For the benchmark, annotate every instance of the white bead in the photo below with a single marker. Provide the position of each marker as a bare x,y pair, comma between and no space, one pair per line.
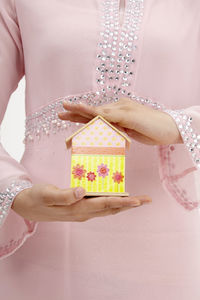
7,196
112,41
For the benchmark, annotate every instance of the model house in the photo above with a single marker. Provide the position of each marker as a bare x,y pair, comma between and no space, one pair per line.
98,158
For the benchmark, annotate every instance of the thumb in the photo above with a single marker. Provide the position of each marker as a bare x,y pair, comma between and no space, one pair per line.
78,194
70,196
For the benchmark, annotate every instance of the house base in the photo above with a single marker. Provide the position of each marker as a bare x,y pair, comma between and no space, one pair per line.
90,194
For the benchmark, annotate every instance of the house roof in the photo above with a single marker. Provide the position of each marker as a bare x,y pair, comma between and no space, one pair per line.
69,139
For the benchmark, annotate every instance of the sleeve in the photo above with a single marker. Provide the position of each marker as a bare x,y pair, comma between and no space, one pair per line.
14,229
179,164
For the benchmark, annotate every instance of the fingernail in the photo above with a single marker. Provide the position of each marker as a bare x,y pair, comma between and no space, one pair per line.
69,103
64,102
79,193
146,201
135,203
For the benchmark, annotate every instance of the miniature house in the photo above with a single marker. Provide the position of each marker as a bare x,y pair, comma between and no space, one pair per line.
98,158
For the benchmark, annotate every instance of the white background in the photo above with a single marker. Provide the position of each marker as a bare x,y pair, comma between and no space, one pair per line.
13,125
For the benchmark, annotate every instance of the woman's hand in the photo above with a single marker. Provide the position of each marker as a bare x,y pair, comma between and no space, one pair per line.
46,202
144,124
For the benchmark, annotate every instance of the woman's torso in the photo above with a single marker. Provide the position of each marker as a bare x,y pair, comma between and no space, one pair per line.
146,253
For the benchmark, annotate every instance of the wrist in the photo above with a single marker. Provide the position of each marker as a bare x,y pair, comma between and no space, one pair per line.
22,195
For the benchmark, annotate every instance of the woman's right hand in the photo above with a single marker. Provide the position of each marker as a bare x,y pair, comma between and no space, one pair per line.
46,202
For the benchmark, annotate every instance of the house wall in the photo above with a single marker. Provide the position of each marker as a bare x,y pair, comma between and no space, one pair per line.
92,165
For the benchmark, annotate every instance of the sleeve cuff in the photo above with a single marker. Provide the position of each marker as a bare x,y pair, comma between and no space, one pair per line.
14,229
189,135
179,164
8,194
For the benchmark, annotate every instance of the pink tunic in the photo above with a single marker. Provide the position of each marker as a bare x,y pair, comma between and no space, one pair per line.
97,51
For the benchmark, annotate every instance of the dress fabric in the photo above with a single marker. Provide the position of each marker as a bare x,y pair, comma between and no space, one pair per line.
97,51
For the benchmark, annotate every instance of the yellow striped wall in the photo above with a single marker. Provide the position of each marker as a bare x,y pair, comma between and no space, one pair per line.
91,163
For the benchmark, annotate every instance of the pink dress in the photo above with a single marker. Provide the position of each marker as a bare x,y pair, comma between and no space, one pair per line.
97,51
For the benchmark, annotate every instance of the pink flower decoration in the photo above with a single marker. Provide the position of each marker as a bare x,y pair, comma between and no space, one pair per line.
103,170
118,177
78,171
91,176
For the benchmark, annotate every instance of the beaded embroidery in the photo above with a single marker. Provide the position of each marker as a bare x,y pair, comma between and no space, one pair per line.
46,120
190,137
192,142
117,45
7,196
113,70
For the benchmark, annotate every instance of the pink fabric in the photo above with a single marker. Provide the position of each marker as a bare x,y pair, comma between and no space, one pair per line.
151,252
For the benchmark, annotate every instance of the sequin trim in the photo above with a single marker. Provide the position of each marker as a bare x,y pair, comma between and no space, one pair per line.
117,45
46,121
113,70
190,137
7,196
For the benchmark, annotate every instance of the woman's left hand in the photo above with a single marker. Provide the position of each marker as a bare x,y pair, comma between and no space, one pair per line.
140,122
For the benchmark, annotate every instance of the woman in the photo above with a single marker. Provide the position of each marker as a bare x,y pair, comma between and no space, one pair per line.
125,61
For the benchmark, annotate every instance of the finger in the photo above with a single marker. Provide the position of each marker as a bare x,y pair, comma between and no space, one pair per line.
112,211
90,112
120,128
81,109
102,203
107,212
83,113
56,196
141,138
73,117
111,114
75,212
145,199
60,213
